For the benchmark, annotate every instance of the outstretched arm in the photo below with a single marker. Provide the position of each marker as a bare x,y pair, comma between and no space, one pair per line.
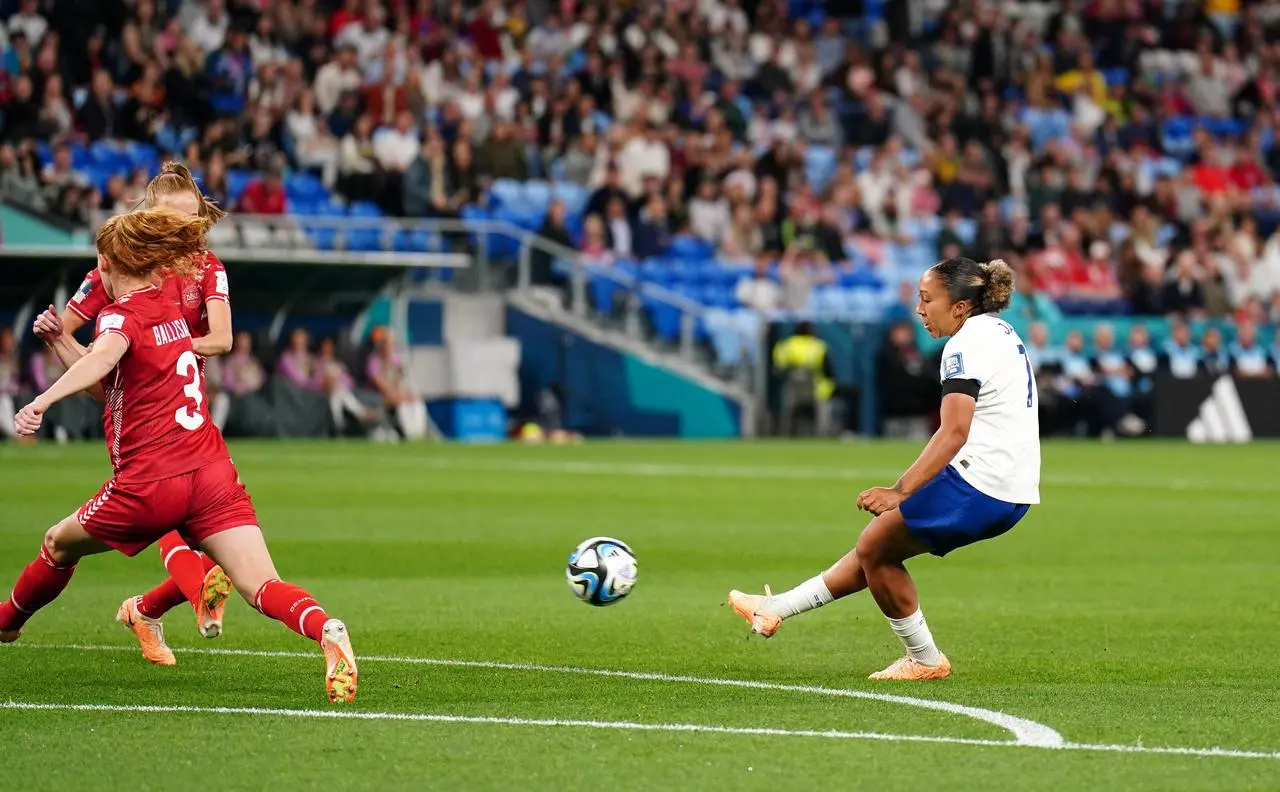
958,405
58,334
86,372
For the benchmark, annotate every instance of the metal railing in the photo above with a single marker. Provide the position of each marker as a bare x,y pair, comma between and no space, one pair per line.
374,241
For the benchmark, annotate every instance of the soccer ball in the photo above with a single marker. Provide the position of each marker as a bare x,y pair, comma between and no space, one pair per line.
601,571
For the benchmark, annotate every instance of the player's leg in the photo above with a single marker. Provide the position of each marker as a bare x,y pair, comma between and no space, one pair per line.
242,552
45,578
766,613
885,544
193,578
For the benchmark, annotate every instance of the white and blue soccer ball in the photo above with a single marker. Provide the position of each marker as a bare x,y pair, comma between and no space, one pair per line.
601,571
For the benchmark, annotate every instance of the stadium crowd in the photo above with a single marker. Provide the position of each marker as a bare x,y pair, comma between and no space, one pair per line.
1120,154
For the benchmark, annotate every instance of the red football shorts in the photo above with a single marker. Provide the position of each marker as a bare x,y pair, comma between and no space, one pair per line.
130,517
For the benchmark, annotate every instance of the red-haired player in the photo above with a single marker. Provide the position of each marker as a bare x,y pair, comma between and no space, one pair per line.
171,468
203,299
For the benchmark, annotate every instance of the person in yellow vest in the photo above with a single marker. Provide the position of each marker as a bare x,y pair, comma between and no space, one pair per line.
799,354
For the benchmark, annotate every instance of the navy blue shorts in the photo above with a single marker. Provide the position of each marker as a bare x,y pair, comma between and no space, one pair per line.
948,513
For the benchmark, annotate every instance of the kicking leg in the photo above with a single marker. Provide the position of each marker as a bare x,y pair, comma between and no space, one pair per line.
45,578
883,547
243,553
193,578
766,613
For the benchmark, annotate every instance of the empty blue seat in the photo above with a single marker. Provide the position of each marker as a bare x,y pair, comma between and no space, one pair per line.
237,181
364,209
506,192
537,194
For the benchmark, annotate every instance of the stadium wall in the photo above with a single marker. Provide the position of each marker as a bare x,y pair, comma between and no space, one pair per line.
611,392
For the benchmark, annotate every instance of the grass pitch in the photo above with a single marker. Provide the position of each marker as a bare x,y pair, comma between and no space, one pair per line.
1136,609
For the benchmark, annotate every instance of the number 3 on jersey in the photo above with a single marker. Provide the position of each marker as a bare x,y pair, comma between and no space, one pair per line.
188,418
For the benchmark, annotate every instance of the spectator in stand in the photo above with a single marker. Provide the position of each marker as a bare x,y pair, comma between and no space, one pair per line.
340,76
595,241
759,292
10,383
1184,294
542,271
1214,359
335,380
296,364
1181,358
360,177
313,146
907,379
264,196
1249,359
386,373
241,374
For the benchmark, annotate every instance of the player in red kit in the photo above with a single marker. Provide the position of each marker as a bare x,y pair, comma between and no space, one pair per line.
203,299
171,468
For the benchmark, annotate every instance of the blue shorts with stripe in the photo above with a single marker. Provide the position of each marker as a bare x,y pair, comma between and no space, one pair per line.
949,513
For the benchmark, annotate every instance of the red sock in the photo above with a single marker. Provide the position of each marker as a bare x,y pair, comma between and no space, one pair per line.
38,585
161,599
293,607
184,565
207,562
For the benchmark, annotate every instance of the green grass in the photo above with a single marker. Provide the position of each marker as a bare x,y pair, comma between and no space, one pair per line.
1137,605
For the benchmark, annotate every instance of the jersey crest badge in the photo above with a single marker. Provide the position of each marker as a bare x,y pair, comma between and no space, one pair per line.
191,295
953,366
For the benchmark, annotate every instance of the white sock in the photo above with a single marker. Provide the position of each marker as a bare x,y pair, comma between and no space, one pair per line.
916,637
812,593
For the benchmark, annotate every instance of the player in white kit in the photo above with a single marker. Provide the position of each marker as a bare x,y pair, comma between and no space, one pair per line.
975,479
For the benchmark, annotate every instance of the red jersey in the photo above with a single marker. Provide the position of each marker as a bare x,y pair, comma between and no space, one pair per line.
191,294
156,418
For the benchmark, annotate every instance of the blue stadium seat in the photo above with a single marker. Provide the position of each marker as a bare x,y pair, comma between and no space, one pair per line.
575,196
237,181
305,186
506,192
537,194
687,246
364,209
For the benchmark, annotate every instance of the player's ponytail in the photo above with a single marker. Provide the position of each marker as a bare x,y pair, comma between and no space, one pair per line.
997,286
175,178
141,243
986,287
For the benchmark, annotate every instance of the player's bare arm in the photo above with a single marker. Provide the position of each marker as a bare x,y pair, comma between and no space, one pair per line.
218,340
50,329
86,372
957,417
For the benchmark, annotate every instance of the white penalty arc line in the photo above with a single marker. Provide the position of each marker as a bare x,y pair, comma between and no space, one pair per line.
427,717
336,714
1025,732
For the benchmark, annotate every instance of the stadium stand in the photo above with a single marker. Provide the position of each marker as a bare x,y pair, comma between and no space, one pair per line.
764,159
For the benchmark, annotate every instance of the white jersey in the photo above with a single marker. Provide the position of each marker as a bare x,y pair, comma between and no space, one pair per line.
1002,455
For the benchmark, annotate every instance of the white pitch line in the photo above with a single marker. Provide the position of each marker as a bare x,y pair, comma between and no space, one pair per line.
341,714
428,717
1025,732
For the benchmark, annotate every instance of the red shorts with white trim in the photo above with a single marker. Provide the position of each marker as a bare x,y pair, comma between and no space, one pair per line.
130,517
